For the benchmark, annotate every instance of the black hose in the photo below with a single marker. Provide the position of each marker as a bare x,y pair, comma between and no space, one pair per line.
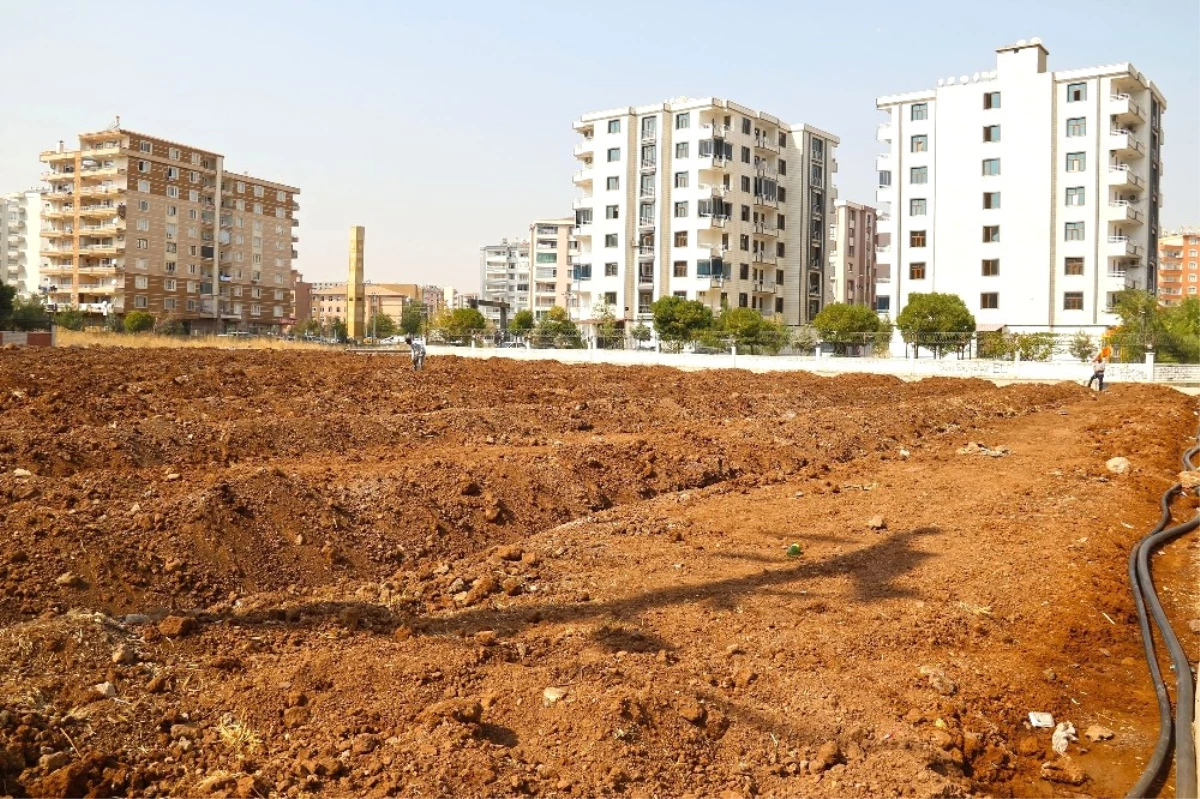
1145,596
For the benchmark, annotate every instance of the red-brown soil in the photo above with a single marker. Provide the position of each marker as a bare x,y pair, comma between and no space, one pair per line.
320,574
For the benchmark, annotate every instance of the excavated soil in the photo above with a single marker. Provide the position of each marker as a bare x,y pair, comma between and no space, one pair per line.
310,574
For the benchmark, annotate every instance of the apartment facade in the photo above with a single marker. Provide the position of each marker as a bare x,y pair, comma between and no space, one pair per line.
133,222
504,276
551,246
21,240
329,304
1033,195
852,254
1178,266
301,297
703,199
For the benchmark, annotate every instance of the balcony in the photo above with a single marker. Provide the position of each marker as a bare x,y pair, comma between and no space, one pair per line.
645,252
1116,273
585,149
766,143
884,251
763,201
647,193
764,169
1121,142
713,162
646,223
109,248
711,222
716,250
1122,177
583,177
1123,247
765,229
763,257
883,162
1125,109
92,172
58,233
583,230
58,176
765,287
647,136
716,130
883,195
1124,211
649,164
100,190
580,203
645,279
714,190
884,132
92,211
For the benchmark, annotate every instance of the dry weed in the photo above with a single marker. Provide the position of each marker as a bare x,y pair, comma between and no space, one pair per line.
88,338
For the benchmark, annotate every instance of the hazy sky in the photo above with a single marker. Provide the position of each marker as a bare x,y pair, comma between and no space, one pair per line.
445,126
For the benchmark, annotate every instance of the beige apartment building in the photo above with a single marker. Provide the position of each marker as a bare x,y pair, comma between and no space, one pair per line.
551,246
133,222
328,300
852,254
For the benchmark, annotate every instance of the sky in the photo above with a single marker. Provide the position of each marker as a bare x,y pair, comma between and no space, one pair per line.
443,127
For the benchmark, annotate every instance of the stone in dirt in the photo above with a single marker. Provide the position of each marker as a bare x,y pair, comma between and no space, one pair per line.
1117,465
69,580
1063,771
1064,734
510,552
692,711
1190,479
53,761
464,711
296,716
22,473
939,681
124,655
828,756
176,626
877,523
1194,625
1098,733
553,695
105,689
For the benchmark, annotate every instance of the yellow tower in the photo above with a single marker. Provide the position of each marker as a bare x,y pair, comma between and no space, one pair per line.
356,306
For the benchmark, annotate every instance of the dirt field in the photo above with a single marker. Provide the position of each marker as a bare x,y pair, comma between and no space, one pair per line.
292,574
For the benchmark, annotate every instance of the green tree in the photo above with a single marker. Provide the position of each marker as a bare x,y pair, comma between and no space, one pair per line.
381,325
805,340
935,321
412,318
338,330
1180,341
608,333
749,331
1140,327
842,324
138,322
1082,346
640,332
308,327
677,320
170,327
71,319
461,323
7,295
556,329
521,323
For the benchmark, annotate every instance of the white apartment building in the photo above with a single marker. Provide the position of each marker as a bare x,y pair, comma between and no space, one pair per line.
504,277
852,276
552,245
704,199
20,239
1033,195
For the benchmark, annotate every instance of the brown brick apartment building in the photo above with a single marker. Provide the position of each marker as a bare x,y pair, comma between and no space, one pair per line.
1178,266
132,222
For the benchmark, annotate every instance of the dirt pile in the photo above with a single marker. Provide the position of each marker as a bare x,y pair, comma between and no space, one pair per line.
272,573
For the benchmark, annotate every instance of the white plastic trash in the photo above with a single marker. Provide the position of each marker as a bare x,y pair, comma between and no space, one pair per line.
1043,721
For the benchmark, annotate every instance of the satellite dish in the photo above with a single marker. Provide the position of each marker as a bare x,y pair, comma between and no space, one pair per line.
950,81
963,79
941,81
1020,42
1035,40
975,77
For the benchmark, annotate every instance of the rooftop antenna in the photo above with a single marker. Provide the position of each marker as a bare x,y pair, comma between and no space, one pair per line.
116,124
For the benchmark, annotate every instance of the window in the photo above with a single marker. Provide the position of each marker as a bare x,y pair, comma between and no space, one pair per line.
920,144
172,173
140,301
916,207
991,267
194,177
169,267
745,155
681,149
779,220
744,242
681,180
169,303
610,298
144,188
614,126
991,100
1076,92
745,126
991,166
991,233
1077,127
1075,196
782,166
919,111
172,210
916,238
193,195
1074,231
258,191
143,224
1076,162
916,271
172,247
1072,300
173,192
141,282
744,272
169,284
140,263
991,133
610,269
610,240
683,121
679,269
989,299
780,249
143,244
280,196
258,208
681,238
146,147
918,174
172,230
143,166
681,209
614,154
612,183
991,200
